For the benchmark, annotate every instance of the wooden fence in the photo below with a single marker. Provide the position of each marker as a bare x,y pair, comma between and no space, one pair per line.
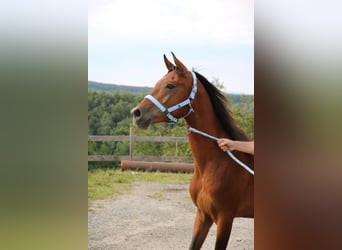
132,139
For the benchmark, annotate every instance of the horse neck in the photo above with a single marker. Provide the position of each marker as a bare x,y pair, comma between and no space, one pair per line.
204,119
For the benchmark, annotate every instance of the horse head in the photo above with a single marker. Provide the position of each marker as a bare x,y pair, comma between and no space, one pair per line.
171,97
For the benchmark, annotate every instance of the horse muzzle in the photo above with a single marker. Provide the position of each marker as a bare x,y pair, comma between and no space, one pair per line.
140,118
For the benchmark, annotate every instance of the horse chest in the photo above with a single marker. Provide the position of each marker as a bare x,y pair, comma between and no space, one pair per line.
202,197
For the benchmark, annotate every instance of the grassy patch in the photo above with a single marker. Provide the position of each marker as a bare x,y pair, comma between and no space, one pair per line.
103,183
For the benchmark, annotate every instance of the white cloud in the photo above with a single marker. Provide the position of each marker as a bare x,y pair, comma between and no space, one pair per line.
215,36
176,21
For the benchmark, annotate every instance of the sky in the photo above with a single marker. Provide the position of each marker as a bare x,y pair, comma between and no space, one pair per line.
127,40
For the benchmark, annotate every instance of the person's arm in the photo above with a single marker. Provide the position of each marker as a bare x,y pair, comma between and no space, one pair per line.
243,146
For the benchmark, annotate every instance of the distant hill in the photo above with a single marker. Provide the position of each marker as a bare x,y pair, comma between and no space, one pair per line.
144,90
115,87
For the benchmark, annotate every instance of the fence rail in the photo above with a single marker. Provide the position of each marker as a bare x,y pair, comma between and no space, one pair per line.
132,139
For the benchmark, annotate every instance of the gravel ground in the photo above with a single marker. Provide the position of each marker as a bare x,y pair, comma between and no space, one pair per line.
155,216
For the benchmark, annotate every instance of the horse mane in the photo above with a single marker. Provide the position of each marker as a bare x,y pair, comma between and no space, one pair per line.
220,104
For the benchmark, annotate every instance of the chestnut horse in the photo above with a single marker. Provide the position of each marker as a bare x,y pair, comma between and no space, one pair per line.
220,188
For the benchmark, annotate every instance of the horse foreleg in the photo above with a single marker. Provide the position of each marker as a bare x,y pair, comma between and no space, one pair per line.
224,227
201,228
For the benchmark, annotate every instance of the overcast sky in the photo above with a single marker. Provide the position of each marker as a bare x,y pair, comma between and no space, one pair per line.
127,40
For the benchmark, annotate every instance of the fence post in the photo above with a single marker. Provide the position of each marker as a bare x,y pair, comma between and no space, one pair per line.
131,142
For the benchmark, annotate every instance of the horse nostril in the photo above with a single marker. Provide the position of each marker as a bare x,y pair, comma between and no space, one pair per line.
136,113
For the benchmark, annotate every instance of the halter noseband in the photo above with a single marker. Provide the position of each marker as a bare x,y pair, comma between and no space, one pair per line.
167,111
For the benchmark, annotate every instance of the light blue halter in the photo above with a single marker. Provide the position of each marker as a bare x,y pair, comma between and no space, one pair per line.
168,111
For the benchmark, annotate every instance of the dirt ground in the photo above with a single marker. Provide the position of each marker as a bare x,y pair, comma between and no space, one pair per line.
155,216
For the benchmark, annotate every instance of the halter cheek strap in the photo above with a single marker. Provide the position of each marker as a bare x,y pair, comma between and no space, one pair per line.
167,111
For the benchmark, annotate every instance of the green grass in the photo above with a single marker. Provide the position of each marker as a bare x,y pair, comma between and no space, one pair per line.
103,183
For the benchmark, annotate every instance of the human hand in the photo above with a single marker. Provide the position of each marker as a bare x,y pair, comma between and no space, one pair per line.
243,146
226,144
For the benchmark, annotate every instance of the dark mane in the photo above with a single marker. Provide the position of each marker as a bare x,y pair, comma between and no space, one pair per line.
220,102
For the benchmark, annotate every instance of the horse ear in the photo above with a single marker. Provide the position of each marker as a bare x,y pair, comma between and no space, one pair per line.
179,64
168,64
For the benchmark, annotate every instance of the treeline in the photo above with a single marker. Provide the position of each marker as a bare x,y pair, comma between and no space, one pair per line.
109,114
116,87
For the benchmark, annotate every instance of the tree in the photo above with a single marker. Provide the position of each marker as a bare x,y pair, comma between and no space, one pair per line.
217,83
109,114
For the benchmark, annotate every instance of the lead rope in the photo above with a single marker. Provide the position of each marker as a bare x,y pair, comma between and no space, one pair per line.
191,129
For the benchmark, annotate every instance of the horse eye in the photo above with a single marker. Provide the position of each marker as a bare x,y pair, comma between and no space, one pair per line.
170,86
